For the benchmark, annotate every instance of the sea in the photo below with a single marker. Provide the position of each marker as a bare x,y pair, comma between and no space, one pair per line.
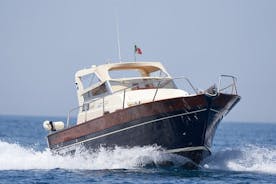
242,153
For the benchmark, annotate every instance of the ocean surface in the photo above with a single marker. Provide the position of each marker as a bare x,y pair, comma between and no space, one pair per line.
242,153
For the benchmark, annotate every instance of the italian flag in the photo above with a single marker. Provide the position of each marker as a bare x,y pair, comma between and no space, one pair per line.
137,50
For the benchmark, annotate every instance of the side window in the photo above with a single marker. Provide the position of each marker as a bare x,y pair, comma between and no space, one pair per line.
97,91
89,80
101,89
92,83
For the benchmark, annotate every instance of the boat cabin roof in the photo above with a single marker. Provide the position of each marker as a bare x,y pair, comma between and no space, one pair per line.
103,71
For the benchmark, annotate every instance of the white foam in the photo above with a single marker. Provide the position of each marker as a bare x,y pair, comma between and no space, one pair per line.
249,158
16,157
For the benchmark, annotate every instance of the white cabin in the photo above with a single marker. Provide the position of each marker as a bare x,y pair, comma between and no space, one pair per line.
110,87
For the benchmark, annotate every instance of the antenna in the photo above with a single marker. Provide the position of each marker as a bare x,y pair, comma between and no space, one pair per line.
118,39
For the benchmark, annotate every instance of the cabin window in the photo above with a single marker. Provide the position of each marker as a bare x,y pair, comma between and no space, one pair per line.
85,107
148,83
95,92
168,83
89,80
101,89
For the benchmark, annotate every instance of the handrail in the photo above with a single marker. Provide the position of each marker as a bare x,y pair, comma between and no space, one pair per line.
220,89
77,108
68,115
156,91
176,78
124,94
188,80
232,85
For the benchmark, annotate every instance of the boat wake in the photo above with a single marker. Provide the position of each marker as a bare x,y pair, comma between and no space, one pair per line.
16,157
249,158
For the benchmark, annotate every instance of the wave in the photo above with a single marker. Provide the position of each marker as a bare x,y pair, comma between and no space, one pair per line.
249,158
16,157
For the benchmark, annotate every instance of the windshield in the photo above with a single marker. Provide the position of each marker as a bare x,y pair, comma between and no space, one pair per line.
146,83
137,72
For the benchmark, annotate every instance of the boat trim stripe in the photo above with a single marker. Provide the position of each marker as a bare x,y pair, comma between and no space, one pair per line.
134,126
216,111
194,148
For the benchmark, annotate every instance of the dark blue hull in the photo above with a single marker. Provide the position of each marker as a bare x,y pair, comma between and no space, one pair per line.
181,129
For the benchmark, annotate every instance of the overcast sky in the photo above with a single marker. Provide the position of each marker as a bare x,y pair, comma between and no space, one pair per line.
43,44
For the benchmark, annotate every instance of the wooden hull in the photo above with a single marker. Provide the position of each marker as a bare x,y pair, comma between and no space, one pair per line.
183,125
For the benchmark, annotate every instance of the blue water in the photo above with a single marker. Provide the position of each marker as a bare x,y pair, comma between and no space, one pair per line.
242,153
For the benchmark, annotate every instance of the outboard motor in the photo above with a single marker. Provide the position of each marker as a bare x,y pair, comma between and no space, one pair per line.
53,125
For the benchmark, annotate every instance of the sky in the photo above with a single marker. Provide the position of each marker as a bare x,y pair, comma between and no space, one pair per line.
43,44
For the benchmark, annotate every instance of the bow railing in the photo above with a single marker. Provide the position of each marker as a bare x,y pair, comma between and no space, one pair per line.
227,87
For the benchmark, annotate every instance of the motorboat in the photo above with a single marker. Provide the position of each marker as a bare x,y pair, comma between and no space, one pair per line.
132,104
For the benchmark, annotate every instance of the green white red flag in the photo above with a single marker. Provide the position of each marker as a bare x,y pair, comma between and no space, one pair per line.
137,50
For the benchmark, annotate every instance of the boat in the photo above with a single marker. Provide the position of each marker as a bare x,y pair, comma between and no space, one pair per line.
130,104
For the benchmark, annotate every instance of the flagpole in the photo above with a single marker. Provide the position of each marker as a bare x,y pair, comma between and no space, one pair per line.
118,40
134,53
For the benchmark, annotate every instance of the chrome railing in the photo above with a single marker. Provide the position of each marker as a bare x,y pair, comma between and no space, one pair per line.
85,107
176,78
232,86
